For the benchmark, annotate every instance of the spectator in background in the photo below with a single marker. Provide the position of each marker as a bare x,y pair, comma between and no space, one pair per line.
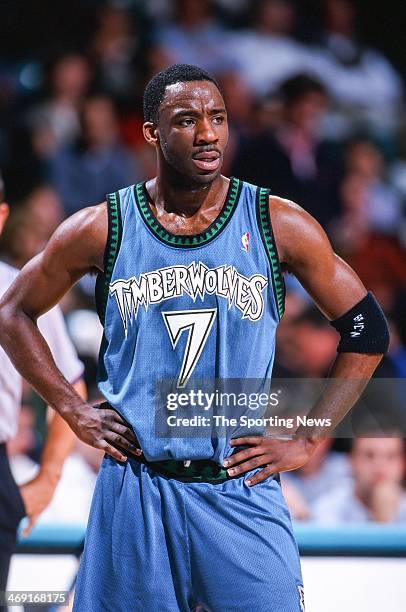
366,233
378,257
239,104
325,470
383,204
55,122
266,54
43,202
161,9
296,302
31,224
22,239
376,492
292,159
309,346
97,164
359,78
114,47
193,36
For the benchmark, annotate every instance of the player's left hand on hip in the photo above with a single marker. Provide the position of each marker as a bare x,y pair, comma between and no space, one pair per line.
276,455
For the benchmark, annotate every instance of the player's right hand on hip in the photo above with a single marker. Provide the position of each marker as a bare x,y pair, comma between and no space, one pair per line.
102,427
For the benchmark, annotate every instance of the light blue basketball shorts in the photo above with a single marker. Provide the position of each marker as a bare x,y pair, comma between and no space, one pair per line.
156,544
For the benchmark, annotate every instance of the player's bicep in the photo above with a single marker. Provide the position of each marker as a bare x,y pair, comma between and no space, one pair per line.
306,249
332,284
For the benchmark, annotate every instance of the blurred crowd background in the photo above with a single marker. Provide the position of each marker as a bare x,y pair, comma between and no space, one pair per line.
315,92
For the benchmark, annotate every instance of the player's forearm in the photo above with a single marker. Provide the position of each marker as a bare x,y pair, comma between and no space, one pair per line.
348,378
60,442
31,356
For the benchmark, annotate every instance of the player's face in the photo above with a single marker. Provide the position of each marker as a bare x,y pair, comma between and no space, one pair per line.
192,130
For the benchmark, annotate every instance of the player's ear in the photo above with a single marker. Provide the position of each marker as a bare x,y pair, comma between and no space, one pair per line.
4,213
150,133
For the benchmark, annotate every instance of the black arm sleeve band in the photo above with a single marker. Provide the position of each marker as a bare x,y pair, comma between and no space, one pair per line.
363,329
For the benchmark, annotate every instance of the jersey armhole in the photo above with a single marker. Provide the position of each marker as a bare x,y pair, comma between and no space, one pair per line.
268,240
110,253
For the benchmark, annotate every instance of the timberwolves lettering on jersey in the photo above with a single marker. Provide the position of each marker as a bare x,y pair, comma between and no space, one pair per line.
178,306
195,280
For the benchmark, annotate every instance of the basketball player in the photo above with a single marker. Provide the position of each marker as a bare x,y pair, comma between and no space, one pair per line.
33,497
189,285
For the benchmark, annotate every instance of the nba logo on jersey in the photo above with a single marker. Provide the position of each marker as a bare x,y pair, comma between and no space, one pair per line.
245,239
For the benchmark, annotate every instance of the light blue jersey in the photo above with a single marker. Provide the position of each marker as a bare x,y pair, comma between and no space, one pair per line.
186,307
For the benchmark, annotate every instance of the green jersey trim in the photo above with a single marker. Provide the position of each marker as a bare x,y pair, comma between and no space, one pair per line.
266,233
194,240
110,254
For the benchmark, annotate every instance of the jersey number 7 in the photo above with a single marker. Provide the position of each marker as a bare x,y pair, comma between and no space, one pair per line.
198,323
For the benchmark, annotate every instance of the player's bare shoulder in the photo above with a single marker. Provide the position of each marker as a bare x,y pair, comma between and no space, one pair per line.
82,238
295,230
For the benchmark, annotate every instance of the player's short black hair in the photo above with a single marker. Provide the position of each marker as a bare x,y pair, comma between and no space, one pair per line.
178,73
